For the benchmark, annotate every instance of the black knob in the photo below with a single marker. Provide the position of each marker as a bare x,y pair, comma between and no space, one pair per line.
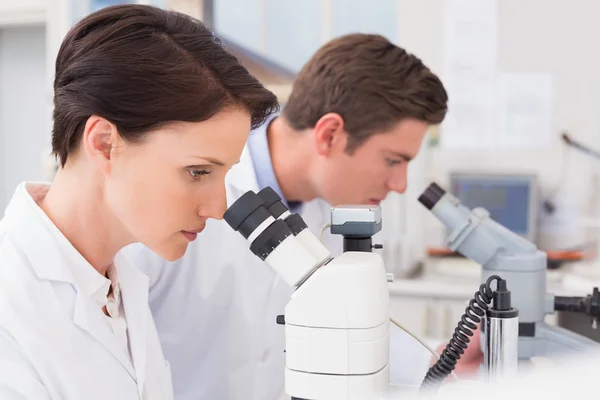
593,307
281,319
431,195
272,201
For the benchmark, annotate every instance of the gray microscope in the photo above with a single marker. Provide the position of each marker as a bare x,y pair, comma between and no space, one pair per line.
499,251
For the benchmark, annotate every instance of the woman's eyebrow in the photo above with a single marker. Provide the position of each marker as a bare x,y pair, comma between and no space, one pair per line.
212,160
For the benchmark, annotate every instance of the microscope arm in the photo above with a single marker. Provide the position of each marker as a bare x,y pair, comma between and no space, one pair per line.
472,232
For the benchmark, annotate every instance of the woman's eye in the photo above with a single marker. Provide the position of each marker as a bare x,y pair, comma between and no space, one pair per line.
197,173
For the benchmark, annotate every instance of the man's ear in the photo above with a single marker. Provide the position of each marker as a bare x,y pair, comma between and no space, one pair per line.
329,134
100,139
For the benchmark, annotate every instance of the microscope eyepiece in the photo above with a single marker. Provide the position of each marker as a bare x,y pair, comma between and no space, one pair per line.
269,196
431,195
272,202
277,209
273,239
254,222
246,214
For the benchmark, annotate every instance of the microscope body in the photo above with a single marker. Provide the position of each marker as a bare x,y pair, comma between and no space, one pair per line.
337,331
337,320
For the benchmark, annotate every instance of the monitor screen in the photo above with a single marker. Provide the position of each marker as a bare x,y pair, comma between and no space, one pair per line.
508,198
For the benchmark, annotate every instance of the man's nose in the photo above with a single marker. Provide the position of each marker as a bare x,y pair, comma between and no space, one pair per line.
397,182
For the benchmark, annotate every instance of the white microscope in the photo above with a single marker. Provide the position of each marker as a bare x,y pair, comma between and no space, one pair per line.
337,321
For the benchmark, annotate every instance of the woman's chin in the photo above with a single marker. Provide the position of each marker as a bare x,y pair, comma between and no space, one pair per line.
172,251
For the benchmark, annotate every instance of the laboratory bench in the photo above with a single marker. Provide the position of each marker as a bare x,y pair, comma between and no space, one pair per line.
431,303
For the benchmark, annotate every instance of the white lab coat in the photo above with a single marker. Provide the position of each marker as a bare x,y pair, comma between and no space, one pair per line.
55,343
215,309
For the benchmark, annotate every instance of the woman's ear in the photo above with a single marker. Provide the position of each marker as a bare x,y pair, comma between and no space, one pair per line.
100,139
329,134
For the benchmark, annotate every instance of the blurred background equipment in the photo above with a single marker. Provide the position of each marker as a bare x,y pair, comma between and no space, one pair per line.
580,146
511,199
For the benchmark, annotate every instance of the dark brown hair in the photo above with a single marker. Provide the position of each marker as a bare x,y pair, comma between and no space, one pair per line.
141,67
371,83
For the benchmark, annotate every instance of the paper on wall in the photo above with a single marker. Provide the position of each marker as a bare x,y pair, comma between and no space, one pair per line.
514,112
525,108
470,32
487,109
468,126
470,52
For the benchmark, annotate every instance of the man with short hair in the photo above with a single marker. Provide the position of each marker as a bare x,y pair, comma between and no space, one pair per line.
357,115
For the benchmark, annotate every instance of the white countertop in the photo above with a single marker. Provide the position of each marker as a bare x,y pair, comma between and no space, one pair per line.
457,278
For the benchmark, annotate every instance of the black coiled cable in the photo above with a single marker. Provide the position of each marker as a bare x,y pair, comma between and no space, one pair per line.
460,339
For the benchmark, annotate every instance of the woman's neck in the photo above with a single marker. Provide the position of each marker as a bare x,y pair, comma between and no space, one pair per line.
76,204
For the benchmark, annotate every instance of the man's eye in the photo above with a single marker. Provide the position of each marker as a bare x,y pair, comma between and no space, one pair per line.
391,162
197,173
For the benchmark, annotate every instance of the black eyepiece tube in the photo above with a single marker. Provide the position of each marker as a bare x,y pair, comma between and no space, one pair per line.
272,201
269,196
431,195
589,305
246,214
569,304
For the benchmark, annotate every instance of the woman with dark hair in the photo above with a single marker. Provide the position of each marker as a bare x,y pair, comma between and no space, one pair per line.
150,112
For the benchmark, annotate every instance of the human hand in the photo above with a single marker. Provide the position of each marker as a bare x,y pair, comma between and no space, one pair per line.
471,360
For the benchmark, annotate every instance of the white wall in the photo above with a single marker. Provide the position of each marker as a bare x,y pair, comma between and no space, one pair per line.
23,107
534,36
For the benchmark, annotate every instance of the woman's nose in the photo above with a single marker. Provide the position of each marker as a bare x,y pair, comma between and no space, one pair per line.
214,205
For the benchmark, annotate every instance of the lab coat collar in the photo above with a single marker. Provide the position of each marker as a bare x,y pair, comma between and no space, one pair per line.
76,269
40,239
49,253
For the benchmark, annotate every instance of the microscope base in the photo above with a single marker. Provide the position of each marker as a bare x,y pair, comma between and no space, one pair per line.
554,342
307,386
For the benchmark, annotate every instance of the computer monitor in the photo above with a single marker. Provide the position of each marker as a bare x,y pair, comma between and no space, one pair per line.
511,199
